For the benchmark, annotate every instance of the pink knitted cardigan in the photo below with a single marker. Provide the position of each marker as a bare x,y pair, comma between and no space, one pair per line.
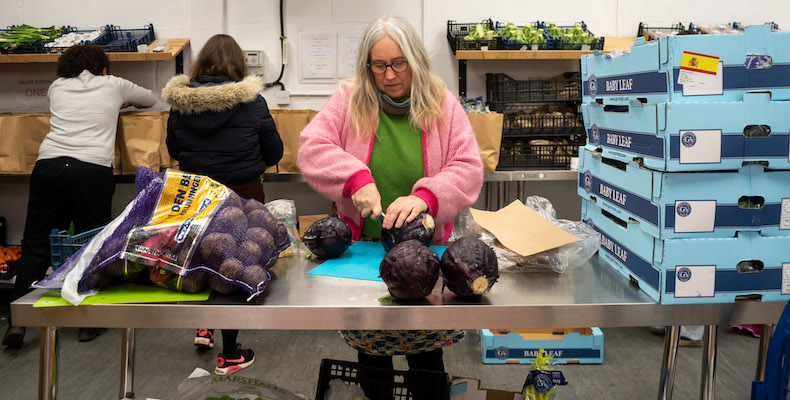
334,161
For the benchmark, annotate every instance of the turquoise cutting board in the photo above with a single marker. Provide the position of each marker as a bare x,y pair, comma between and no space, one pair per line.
360,261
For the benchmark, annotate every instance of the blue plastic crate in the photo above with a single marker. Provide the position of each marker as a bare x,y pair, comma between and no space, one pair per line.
521,346
103,38
511,44
62,245
127,40
559,43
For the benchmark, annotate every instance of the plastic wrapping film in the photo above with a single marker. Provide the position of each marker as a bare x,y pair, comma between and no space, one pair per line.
558,260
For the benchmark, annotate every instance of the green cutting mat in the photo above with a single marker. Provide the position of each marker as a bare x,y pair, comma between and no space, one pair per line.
126,293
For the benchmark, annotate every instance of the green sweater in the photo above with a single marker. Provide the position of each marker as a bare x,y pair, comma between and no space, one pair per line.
396,163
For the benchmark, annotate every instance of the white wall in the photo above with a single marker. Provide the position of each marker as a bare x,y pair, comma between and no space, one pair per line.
255,25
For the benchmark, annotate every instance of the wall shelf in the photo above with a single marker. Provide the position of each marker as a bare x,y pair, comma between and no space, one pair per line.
610,43
176,52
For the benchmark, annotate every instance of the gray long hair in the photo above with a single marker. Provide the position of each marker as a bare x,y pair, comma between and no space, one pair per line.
427,89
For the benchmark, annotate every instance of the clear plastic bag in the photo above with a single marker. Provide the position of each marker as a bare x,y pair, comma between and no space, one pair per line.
558,260
285,212
476,106
201,385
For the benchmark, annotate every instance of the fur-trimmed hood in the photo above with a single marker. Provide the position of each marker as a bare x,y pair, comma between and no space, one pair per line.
187,98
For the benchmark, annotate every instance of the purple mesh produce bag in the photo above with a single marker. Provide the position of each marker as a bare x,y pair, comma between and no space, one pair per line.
227,243
233,241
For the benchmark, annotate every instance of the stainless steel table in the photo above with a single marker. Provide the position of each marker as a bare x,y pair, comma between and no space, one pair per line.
591,295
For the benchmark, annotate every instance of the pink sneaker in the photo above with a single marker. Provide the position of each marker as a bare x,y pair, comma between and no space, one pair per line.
229,365
204,338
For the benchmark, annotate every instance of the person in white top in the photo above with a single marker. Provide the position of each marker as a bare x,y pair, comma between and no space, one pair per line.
72,180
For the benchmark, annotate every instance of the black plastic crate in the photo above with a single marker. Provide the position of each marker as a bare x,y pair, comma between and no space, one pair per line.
510,44
457,31
536,153
502,90
559,43
666,30
127,40
542,124
403,381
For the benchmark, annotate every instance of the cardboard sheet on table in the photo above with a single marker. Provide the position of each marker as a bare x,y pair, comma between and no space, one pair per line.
522,230
126,293
360,261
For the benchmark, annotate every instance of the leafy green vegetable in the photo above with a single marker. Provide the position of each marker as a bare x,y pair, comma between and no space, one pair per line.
481,33
26,35
542,362
527,34
577,34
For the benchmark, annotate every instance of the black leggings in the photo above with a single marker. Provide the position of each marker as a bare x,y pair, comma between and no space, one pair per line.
246,190
62,190
380,384
229,345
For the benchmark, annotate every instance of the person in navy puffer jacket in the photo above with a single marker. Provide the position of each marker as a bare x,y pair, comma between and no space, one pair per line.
220,126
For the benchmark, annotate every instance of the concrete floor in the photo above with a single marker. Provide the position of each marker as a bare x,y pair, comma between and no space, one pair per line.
291,359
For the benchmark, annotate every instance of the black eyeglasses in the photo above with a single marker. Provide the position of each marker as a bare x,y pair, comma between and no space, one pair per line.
379,68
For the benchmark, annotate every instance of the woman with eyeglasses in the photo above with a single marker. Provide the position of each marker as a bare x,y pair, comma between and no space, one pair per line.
393,140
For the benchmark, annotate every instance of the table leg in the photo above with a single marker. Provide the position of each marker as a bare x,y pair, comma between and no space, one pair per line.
48,363
708,380
668,366
180,63
127,363
500,201
490,198
462,78
765,338
521,189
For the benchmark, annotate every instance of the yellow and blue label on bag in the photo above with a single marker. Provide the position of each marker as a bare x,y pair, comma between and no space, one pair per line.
185,206
187,197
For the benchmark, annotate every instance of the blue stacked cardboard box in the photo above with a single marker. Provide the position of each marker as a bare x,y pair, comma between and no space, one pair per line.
521,346
686,172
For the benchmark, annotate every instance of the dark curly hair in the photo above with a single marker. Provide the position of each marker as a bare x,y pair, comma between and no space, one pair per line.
81,57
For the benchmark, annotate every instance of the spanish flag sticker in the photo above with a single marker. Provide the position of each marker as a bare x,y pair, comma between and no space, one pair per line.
699,63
